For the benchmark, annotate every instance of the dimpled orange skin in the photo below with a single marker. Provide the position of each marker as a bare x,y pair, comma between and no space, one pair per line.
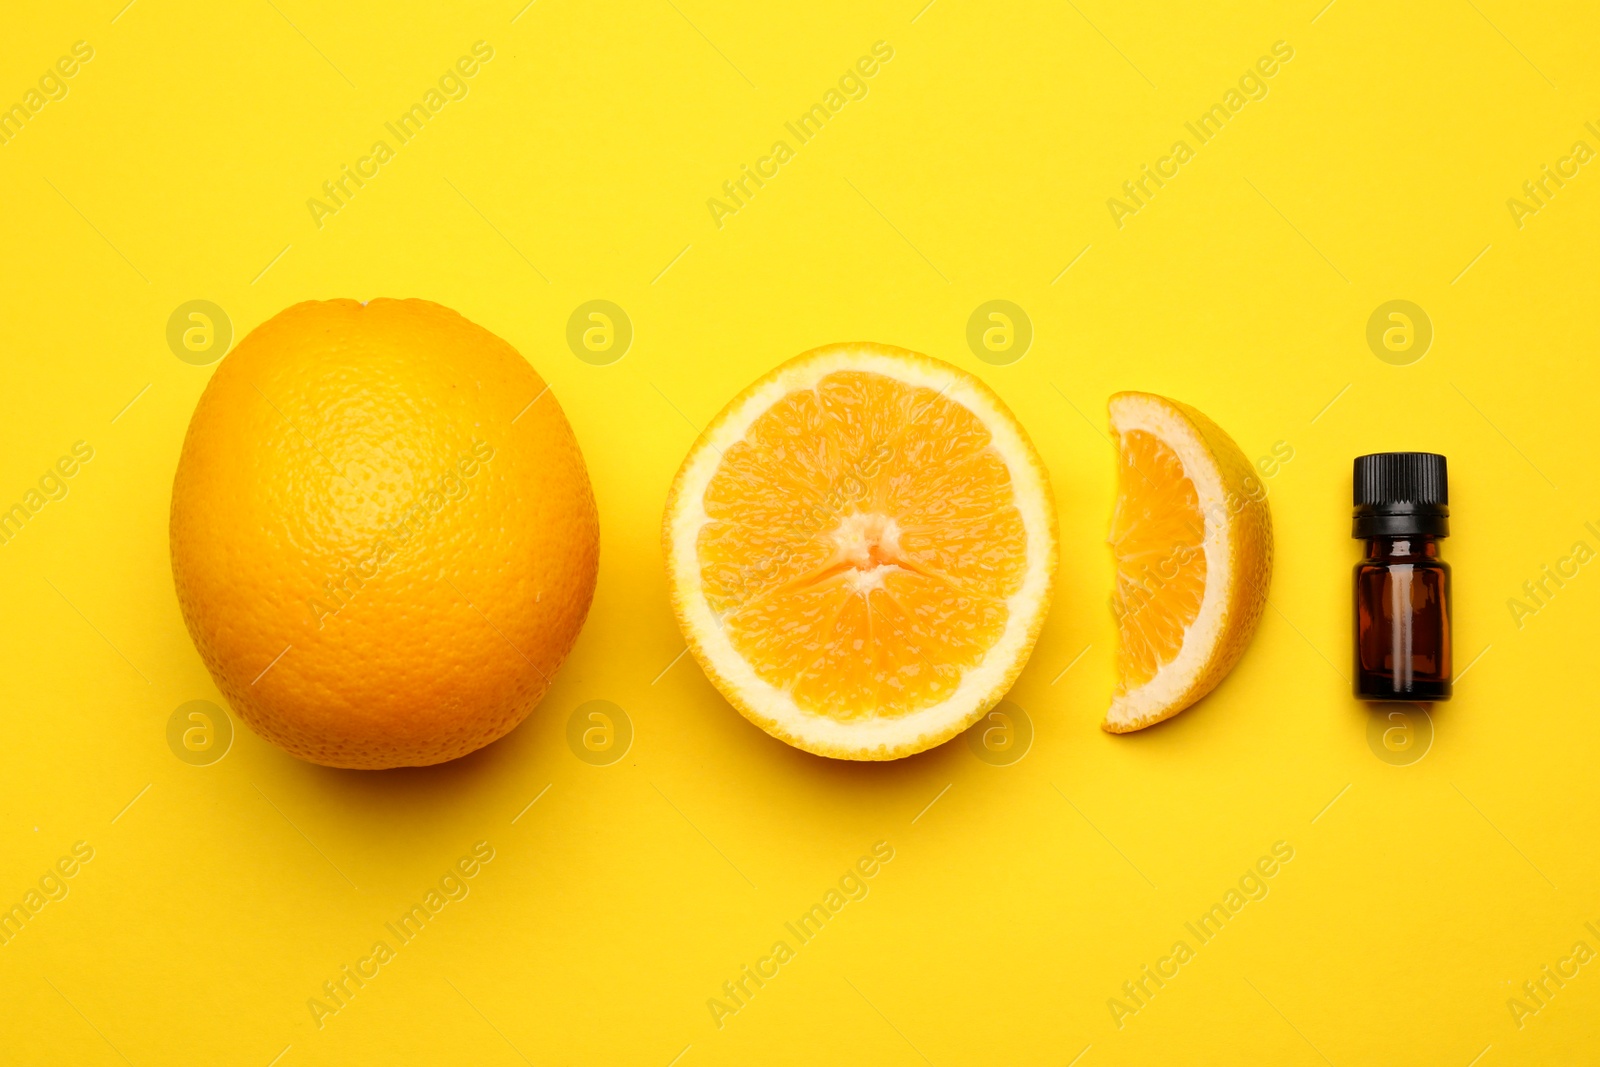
384,540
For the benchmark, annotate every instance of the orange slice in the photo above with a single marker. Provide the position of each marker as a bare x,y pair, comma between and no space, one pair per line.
861,550
1192,538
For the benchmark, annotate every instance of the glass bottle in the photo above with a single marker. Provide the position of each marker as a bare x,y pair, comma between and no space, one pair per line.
1402,587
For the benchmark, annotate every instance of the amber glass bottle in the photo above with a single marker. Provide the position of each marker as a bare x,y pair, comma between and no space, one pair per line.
1402,587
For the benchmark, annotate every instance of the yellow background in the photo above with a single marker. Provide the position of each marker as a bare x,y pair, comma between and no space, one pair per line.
978,167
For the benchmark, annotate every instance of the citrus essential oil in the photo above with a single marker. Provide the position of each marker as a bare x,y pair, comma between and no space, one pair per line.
1402,587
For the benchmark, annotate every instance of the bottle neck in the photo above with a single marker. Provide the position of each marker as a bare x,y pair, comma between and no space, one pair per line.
1408,549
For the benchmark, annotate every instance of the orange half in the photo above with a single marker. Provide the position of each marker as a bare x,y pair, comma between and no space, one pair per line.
861,550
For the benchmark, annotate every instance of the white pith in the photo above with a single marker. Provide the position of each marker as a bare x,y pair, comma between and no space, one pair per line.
859,534
774,708
1175,677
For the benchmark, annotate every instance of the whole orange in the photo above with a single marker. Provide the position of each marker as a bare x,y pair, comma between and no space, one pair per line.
384,539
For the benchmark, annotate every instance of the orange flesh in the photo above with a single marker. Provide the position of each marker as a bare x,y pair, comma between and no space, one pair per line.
1157,534
861,542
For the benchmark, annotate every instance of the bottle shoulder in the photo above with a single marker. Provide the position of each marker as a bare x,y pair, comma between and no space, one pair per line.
1413,562
1414,566
1416,553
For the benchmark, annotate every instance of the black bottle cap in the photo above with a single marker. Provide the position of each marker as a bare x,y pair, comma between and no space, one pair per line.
1401,493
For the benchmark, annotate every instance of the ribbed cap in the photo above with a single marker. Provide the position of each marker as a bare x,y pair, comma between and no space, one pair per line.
1401,478
1401,493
